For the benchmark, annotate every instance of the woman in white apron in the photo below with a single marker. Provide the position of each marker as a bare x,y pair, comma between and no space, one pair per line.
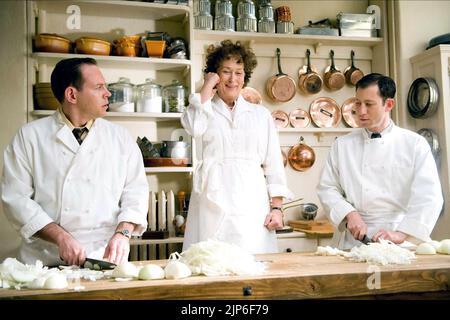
239,182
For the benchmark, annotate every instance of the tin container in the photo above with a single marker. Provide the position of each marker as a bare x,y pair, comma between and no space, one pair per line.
224,19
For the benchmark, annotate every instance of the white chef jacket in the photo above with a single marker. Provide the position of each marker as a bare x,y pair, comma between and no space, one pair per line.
240,166
87,189
391,181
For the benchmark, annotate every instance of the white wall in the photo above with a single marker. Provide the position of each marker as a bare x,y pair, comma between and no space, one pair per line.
416,23
12,95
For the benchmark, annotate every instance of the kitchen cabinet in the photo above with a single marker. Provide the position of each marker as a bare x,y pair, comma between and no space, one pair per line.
371,55
435,63
110,20
296,242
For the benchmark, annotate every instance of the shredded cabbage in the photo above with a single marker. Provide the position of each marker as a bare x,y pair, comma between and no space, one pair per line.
215,258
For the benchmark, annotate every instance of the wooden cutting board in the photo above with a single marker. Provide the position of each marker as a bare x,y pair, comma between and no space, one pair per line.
313,229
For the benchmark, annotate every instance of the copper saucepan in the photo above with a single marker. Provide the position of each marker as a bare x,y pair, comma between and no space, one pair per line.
334,79
251,95
301,157
309,81
348,112
352,73
325,112
299,118
280,118
281,87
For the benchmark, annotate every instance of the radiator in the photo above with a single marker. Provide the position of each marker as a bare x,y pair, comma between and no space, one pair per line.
161,213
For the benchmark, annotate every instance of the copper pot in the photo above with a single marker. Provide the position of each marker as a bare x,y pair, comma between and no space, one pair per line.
352,73
94,46
309,81
334,79
280,118
281,87
299,118
348,112
301,157
325,112
251,95
51,42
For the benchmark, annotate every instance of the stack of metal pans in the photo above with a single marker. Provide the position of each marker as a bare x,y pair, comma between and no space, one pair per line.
423,98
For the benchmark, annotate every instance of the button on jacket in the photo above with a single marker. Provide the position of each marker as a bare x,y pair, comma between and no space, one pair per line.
230,198
392,181
88,189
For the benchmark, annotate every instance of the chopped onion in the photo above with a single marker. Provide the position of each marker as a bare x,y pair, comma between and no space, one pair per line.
213,258
383,252
445,246
329,251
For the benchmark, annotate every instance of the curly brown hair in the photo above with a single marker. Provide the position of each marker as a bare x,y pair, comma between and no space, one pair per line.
227,50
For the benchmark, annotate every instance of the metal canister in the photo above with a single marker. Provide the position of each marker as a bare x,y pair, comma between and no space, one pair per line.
266,23
246,20
285,27
202,15
224,20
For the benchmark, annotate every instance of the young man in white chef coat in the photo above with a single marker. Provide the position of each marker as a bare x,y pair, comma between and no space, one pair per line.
380,180
73,184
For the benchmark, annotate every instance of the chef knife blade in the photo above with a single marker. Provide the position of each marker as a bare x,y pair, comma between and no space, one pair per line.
95,264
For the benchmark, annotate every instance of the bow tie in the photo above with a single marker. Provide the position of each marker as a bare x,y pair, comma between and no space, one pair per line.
375,135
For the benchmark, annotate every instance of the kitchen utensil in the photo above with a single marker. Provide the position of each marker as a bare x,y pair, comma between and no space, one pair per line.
203,19
309,81
51,42
319,28
149,97
175,149
162,218
280,118
95,264
179,135
283,13
266,22
441,39
313,229
283,154
166,162
281,87
224,19
308,210
246,21
325,112
334,79
301,157
155,48
286,27
251,95
348,112
94,46
352,73
423,98
366,240
433,141
299,118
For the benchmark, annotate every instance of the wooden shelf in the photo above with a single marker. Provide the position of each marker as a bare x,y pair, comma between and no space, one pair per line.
138,241
128,9
159,64
168,169
315,130
287,38
169,116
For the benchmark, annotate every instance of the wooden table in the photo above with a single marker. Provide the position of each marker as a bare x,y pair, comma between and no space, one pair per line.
287,276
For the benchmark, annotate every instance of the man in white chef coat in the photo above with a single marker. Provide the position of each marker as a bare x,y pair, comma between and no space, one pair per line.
381,180
73,184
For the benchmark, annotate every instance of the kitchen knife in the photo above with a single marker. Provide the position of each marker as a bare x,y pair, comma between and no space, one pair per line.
95,264
366,240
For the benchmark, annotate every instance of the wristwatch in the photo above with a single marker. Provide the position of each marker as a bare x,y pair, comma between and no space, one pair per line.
124,232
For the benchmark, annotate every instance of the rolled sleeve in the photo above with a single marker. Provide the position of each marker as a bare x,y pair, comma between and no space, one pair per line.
35,224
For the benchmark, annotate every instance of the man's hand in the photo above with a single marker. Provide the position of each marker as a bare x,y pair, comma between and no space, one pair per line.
356,225
396,237
274,220
117,249
208,89
70,250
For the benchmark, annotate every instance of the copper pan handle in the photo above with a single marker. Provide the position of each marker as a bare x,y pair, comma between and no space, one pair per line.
326,112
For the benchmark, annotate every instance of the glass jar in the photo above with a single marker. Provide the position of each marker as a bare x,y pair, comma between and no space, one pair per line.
122,96
174,96
148,97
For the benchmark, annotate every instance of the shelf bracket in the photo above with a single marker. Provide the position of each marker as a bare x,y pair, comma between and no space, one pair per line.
316,46
186,70
185,19
319,136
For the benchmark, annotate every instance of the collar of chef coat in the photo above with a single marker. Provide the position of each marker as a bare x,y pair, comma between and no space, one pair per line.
65,135
64,118
367,133
240,106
